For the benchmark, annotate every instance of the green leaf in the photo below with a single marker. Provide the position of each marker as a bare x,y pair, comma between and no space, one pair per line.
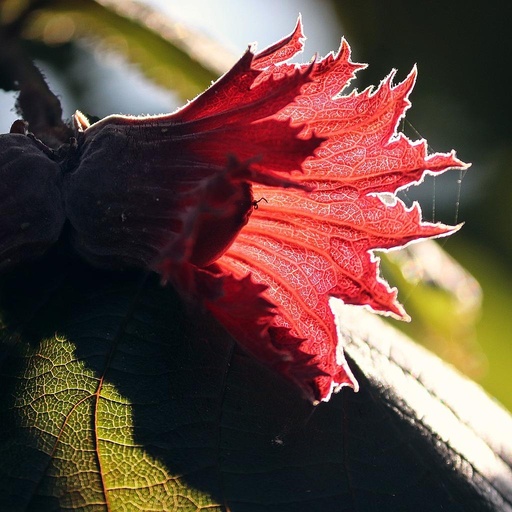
117,396
494,329
167,53
443,299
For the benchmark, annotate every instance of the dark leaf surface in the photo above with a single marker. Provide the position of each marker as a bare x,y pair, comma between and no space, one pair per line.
118,397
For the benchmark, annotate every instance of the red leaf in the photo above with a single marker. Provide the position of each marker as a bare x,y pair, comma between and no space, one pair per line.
321,161
309,247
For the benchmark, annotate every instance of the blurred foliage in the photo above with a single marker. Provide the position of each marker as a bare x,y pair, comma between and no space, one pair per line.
443,301
462,52
454,103
164,52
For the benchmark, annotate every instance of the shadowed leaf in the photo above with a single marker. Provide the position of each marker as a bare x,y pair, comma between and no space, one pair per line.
114,398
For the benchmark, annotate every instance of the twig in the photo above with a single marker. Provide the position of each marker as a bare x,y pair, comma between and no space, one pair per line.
36,103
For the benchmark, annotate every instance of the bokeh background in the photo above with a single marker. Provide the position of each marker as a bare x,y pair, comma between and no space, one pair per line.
114,57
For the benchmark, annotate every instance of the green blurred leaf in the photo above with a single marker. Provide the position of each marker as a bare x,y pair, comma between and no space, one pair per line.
167,53
443,300
464,319
494,328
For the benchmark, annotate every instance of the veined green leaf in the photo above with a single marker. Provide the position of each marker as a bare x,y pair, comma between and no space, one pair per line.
117,396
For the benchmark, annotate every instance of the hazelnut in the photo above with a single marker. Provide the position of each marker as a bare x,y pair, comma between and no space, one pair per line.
31,206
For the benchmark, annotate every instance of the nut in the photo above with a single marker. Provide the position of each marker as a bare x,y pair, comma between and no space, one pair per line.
140,196
31,206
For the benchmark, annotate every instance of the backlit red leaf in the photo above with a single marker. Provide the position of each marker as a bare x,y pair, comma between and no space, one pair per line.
309,247
261,200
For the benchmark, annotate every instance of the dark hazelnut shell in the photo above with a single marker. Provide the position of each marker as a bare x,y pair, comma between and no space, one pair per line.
140,197
31,206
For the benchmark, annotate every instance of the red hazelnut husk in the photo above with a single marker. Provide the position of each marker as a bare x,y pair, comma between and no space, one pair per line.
31,205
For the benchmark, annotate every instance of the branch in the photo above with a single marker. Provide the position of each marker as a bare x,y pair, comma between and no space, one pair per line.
36,103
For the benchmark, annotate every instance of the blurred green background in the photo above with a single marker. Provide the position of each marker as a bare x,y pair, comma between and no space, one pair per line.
119,56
